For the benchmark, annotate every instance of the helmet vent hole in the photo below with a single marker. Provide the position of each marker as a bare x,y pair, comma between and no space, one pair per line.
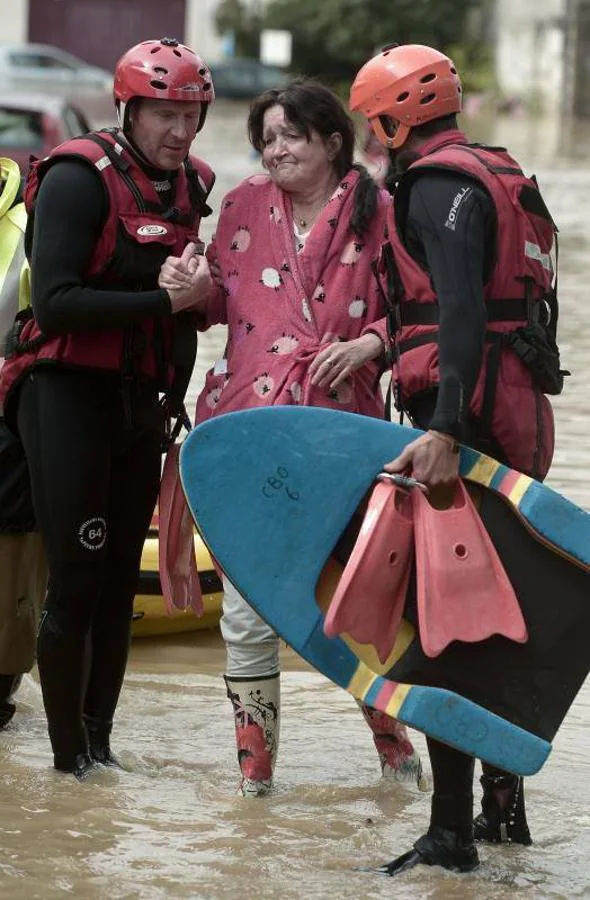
427,99
202,72
177,53
155,50
427,78
159,85
206,85
403,96
160,70
453,70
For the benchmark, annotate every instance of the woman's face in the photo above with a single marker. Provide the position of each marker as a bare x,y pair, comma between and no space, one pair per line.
293,162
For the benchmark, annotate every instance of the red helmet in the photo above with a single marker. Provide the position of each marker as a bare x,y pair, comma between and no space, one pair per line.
163,70
405,86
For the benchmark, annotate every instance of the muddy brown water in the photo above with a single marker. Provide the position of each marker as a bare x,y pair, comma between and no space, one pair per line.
172,826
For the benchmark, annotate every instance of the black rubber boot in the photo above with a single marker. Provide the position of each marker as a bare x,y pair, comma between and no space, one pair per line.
7,711
503,816
99,746
81,765
8,687
439,847
61,659
449,840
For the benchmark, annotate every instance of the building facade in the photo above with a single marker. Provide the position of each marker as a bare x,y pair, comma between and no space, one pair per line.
543,53
99,31
542,46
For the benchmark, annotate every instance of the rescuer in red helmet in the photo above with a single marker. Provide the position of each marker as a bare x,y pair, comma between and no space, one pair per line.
98,368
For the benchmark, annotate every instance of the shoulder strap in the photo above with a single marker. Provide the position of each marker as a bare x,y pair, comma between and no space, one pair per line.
496,170
199,187
121,165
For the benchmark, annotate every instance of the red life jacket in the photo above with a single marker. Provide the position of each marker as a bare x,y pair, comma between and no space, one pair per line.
138,235
508,405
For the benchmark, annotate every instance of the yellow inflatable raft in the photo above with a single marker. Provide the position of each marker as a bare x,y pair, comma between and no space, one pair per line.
149,610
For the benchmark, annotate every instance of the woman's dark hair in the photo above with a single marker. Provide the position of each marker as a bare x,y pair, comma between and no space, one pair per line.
311,106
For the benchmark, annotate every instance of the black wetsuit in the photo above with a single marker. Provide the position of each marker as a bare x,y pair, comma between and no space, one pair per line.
459,262
95,470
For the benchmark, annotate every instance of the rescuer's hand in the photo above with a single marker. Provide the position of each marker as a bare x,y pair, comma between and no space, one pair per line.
187,280
433,459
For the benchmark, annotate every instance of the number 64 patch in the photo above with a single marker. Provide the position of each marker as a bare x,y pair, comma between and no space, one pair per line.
93,533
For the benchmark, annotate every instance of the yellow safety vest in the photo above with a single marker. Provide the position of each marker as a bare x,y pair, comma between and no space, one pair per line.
15,276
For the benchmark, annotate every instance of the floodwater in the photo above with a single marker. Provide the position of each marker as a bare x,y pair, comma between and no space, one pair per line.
172,826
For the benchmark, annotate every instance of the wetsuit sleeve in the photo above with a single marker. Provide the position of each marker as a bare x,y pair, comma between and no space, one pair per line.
70,212
448,231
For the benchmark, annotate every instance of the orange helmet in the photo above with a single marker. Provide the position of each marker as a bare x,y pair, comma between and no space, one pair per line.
405,86
163,70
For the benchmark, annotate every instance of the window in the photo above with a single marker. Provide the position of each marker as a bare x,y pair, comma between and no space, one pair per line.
23,60
75,123
21,128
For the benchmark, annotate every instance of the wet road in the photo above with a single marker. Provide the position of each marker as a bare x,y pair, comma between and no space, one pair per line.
172,827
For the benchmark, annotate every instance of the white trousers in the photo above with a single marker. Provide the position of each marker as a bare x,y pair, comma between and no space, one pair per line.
252,647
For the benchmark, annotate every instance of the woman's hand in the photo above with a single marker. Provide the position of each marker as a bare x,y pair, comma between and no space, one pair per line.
334,364
187,280
215,270
433,459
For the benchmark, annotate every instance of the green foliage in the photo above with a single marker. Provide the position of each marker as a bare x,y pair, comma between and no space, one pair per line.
475,62
333,38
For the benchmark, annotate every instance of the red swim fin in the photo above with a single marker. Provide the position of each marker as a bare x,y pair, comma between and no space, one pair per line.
463,591
369,600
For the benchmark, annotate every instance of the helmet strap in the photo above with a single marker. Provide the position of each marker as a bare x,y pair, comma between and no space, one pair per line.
124,112
121,108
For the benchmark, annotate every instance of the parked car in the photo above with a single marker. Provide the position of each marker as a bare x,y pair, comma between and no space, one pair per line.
33,124
242,78
42,67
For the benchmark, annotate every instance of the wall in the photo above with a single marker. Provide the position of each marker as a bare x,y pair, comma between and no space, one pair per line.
577,59
199,30
530,49
100,31
14,16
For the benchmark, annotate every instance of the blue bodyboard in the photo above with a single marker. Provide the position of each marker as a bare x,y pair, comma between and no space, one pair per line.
274,491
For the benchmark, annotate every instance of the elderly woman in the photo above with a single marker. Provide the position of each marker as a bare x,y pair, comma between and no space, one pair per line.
292,253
